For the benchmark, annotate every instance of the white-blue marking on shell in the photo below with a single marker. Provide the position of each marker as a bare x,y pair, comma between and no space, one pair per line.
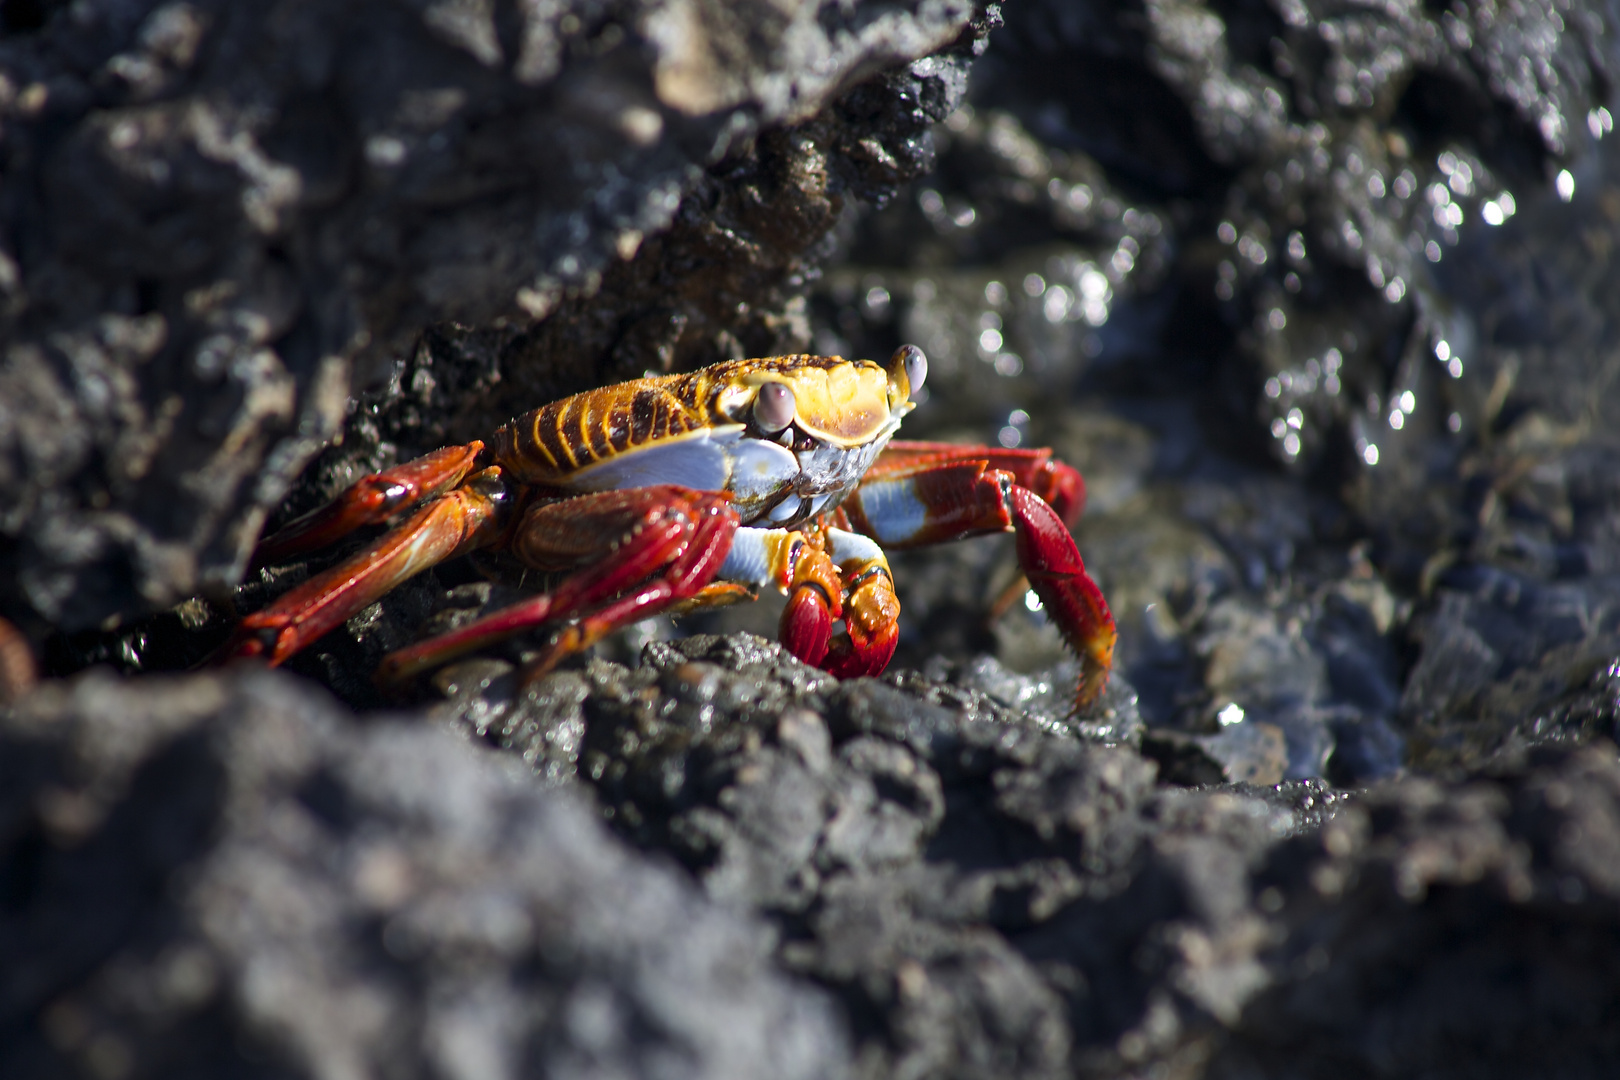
760,470
827,474
893,511
748,561
785,511
843,547
756,471
711,459
825,467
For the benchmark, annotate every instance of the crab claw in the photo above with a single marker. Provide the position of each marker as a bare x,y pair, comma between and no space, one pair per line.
872,622
928,493
806,626
813,604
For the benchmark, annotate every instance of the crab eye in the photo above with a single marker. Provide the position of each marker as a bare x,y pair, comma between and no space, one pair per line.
774,407
916,365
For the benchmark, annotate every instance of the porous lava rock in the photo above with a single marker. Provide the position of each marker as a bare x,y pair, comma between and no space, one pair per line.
229,875
219,218
1322,300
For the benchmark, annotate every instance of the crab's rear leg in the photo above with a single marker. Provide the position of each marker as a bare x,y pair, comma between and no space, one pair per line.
930,503
453,524
371,500
656,547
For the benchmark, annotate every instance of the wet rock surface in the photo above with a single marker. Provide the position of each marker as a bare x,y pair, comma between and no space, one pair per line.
1302,280
1321,300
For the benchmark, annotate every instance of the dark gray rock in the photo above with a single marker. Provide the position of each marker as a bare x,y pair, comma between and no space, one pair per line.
1321,300
214,212
1447,933
227,874
948,866
991,898
1217,234
1509,662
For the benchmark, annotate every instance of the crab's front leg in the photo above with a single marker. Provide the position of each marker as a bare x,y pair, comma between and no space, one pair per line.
372,500
1059,484
638,552
921,503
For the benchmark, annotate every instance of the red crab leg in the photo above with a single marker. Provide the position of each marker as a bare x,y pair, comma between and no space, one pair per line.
928,504
371,500
716,594
18,670
661,545
450,525
1059,485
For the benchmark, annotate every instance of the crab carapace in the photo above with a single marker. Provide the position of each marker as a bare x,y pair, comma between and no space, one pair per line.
681,491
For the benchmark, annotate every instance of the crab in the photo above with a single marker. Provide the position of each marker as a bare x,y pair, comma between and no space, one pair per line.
676,492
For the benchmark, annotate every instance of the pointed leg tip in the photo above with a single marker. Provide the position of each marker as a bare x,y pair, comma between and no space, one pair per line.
263,644
1096,654
536,671
1090,690
392,676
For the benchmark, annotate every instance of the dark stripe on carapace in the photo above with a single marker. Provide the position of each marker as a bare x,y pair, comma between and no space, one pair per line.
549,432
644,415
520,449
555,440
546,445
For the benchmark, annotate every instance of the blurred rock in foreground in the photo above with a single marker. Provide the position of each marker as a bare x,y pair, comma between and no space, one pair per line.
227,875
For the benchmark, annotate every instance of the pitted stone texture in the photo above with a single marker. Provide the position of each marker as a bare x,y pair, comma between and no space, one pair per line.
1448,931
226,874
980,886
213,211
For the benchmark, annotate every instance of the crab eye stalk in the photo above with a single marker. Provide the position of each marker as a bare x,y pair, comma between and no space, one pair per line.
774,407
910,359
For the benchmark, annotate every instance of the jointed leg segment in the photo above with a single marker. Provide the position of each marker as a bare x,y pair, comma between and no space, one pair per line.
454,524
668,543
1060,486
371,500
929,493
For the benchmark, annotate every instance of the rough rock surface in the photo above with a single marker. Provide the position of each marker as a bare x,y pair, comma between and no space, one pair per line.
993,894
1321,298
1328,298
214,211
210,873
228,875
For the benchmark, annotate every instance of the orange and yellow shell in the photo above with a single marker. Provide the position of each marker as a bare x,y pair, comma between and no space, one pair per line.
841,403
